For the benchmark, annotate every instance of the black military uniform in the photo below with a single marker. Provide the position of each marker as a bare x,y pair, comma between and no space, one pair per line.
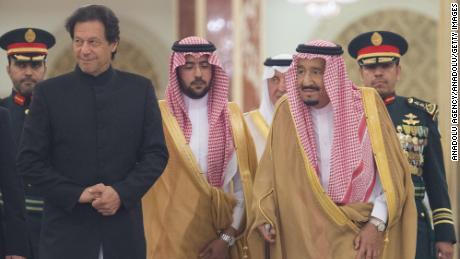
13,239
417,129
26,45
18,106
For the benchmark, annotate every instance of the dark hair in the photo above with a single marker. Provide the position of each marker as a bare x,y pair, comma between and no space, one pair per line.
99,13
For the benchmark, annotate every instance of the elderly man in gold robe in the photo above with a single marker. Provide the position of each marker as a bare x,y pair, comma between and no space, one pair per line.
273,87
333,181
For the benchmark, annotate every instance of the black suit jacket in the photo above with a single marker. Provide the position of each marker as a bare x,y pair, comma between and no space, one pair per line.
13,239
83,130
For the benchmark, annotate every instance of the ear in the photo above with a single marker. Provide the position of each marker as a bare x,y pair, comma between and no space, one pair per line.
398,72
361,71
114,46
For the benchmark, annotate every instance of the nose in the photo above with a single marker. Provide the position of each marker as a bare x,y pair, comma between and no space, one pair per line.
198,72
307,80
282,86
28,70
378,71
85,48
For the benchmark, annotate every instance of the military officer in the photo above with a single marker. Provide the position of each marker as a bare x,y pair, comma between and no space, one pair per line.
378,54
26,49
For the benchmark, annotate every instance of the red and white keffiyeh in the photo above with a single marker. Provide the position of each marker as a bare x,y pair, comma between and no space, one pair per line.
352,176
220,147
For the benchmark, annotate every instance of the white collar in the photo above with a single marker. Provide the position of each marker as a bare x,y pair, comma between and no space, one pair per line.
191,103
322,111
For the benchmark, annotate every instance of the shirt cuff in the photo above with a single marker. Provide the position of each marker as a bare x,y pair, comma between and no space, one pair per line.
380,209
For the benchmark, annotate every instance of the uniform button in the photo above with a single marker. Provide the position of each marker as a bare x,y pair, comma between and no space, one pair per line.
422,214
29,185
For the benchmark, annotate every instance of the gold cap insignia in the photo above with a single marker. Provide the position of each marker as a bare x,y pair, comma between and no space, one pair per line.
376,39
30,35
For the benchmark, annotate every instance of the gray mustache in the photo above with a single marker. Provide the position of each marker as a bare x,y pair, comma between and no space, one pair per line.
312,87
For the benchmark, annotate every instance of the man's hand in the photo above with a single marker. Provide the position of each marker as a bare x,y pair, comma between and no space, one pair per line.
91,193
14,257
268,232
108,203
369,242
216,249
444,250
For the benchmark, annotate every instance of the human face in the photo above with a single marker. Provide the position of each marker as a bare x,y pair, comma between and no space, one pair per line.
91,49
310,82
382,77
276,86
195,76
25,75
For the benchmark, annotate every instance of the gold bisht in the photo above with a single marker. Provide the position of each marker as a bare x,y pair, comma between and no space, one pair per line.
260,123
308,224
182,211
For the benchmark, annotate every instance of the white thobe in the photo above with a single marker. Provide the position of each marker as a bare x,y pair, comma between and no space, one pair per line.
198,114
323,125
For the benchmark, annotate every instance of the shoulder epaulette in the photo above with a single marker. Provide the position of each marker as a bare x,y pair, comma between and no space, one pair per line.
430,108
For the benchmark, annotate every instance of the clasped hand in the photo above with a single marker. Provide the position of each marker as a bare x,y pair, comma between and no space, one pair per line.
103,198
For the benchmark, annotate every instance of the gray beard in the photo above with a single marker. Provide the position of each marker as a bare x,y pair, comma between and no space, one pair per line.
311,103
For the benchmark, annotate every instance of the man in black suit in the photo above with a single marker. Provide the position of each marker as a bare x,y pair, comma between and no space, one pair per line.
13,241
27,49
93,144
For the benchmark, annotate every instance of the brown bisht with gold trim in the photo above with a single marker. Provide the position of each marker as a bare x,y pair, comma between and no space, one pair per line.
308,224
182,211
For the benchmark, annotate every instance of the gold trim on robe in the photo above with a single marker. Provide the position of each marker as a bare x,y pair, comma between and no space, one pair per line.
260,122
182,211
308,224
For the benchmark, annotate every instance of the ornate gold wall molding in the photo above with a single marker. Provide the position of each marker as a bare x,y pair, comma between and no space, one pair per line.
419,65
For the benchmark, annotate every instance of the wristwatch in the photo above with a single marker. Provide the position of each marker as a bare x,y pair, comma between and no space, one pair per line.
227,238
379,224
